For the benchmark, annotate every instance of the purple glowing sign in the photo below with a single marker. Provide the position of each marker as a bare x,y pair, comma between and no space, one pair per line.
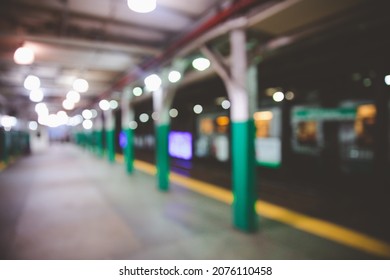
122,139
180,144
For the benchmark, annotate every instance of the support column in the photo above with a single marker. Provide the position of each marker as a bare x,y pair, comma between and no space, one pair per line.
241,85
110,134
98,136
127,118
162,100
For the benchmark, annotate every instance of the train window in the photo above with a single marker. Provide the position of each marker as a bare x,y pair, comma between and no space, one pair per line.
268,137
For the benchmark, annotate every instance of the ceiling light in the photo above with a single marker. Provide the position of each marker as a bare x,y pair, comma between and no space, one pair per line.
142,6
198,109
144,117
201,63
87,124
41,109
113,104
24,56
278,96
174,76
32,82
36,95
133,125
33,125
8,121
387,80
80,85
104,105
173,113
225,104
137,91
152,82
67,104
87,114
73,96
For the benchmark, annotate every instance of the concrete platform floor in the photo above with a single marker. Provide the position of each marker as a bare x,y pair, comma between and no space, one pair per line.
65,203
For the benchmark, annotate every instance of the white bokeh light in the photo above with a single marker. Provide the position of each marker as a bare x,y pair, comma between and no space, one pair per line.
278,96
24,56
32,82
198,109
87,124
142,6
73,96
80,85
152,82
174,76
87,114
201,63
36,95
144,117
104,105
137,91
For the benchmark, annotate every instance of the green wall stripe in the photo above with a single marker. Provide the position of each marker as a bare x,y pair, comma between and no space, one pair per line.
110,140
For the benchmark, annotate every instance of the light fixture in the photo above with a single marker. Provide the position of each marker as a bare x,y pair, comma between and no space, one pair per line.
198,109
173,113
113,104
137,91
33,125
144,117
104,105
24,56
225,104
87,124
387,80
174,76
67,104
142,6
133,125
278,96
73,96
87,114
8,122
152,82
80,85
290,95
36,95
41,109
201,63
32,82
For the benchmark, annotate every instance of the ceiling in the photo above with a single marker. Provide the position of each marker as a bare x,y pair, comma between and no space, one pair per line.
105,42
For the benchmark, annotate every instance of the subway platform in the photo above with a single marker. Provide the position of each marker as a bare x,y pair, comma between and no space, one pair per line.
67,203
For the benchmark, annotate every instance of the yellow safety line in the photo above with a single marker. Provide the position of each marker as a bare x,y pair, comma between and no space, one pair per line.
297,220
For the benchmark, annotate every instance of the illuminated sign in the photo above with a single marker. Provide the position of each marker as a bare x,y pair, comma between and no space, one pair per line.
180,144
122,139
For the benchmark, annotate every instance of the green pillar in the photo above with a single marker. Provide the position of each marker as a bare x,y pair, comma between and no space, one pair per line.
110,135
129,150
241,85
162,156
127,120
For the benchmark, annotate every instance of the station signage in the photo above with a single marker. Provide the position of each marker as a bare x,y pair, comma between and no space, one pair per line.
323,114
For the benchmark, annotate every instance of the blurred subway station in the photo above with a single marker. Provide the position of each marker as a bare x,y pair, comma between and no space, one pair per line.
219,129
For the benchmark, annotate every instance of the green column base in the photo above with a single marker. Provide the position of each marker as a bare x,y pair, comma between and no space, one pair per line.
162,132
243,176
129,151
110,139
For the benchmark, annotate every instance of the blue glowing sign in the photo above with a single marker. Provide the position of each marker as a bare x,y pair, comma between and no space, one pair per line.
180,144
122,139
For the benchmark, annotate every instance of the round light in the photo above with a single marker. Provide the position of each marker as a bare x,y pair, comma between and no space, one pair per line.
87,114
62,117
133,125
41,109
278,96
80,85
198,109
290,95
152,82
76,120
174,76
144,117
173,113
32,82
94,113
137,91
36,95
114,104
387,80
8,121
155,116
201,63
24,56
73,96
67,104
104,105
142,6
87,124
33,125
225,104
